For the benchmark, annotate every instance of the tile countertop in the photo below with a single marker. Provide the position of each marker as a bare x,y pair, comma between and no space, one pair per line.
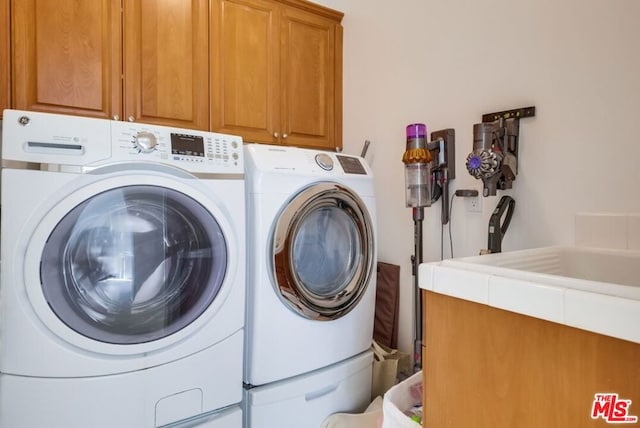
565,285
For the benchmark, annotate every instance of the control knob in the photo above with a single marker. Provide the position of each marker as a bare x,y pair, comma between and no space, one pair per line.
324,161
145,142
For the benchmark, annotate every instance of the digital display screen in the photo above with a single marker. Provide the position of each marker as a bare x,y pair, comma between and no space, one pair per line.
187,145
351,165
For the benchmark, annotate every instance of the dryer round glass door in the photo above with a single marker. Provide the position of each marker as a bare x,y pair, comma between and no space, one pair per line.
323,251
133,264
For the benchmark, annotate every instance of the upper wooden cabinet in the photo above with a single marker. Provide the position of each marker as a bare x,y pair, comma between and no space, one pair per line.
277,72
139,60
72,63
5,83
275,66
166,62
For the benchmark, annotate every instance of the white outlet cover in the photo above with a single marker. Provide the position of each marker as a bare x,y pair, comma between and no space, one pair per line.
474,204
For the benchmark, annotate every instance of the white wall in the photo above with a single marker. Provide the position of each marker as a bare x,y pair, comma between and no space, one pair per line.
447,63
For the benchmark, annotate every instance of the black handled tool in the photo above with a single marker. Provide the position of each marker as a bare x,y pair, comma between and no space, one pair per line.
498,227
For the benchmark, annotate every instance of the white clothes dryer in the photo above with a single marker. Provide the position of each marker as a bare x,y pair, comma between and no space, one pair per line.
310,261
122,285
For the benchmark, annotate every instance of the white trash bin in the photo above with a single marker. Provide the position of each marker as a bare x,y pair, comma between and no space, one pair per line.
399,400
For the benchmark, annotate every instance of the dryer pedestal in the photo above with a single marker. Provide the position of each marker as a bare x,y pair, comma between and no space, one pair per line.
305,401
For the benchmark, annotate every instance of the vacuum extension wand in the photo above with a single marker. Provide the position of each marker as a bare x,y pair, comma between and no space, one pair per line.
416,259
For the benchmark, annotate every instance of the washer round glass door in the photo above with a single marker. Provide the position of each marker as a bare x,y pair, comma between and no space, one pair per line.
323,251
133,264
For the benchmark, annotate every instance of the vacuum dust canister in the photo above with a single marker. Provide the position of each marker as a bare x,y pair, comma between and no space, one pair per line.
417,162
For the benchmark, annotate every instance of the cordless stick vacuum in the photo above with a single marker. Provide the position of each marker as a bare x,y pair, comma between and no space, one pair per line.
417,161
494,158
429,166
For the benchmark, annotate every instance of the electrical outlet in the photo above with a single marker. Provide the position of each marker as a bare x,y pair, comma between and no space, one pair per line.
474,204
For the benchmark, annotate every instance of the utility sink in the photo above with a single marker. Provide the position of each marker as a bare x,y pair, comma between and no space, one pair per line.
597,269
593,289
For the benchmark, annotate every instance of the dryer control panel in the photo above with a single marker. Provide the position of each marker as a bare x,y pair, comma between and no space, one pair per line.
302,161
351,165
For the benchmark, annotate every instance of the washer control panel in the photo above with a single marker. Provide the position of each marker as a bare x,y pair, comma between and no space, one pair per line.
191,150
78,142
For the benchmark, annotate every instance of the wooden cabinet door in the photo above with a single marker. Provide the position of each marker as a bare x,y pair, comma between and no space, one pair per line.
245,69
277,72
311,82
485,367
5,56
166,62
66,56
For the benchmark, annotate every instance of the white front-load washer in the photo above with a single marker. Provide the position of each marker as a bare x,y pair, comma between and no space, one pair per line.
311,260
122,287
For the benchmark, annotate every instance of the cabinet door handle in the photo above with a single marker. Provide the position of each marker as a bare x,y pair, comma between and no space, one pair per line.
132,119
116,117
276,135
284,136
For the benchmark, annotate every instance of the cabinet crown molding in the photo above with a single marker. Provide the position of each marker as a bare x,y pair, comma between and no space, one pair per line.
314,8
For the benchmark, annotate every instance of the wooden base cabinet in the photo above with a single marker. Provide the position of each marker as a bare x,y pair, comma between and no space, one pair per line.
488,368
134,60
277,72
